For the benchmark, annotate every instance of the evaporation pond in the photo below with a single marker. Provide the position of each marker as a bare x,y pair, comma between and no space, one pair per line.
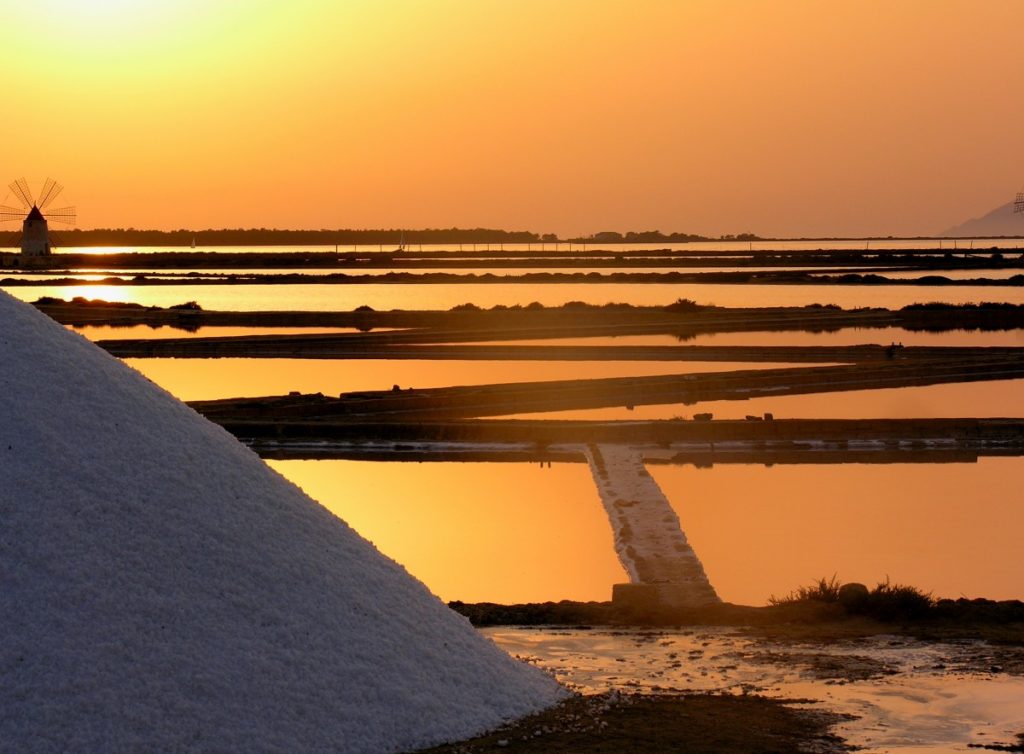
499,532
207,379
426,296
513,532
986,399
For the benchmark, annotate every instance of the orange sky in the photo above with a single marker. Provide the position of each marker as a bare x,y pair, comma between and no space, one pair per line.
566,116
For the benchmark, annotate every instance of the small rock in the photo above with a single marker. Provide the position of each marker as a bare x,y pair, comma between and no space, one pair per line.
853,596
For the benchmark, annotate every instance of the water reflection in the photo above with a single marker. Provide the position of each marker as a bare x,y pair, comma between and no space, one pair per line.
998,274
870,246
419,296
145,332
501,532
206,379
996,398
846,337
851,336
952,529
512,532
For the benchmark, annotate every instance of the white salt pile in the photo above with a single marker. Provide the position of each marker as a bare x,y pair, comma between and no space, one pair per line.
161,589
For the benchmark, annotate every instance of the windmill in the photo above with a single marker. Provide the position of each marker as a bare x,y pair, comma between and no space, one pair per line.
1018,204
35,236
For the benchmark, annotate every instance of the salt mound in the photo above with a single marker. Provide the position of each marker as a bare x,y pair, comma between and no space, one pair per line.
161,589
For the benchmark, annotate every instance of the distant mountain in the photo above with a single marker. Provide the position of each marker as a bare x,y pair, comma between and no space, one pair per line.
1001,221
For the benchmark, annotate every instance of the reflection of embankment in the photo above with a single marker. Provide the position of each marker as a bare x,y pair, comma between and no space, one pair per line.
530,278
701,443
703,455
472,324
875,259
351,346
531,397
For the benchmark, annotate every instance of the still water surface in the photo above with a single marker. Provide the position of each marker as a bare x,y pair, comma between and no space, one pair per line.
383,297
852,336
207,379
871,244
517,532
511,532
932,697
996,398
505,532
145,332
952,529
846,337
418,269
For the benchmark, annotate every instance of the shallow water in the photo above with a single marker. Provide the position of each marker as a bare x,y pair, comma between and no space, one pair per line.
506,532
846,337
763,530
930,697
422,296
145,332
496,530
862,244
418,267
1001,274
852,336
207,379
995,398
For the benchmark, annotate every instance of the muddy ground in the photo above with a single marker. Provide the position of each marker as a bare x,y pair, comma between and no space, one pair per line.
701,724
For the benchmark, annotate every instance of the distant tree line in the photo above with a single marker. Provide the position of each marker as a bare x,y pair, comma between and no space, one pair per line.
276,237
656,236
389,237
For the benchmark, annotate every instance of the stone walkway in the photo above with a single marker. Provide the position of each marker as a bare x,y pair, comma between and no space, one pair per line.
648,539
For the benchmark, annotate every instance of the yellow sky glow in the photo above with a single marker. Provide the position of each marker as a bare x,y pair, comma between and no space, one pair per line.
783,118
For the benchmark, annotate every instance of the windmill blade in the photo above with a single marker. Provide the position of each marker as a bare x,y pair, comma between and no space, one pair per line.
50,190
64,215
23,192
11,213
1018,205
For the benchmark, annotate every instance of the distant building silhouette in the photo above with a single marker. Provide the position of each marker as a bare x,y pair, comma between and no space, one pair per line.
35,232
35,236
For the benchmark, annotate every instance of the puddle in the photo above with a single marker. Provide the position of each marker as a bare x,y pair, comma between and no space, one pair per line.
903,695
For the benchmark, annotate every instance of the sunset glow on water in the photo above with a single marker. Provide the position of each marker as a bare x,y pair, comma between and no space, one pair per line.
422,262
516,532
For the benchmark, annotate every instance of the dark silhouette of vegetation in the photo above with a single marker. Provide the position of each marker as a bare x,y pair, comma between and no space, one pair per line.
391,237
83,301
825,590
887,602
684,305
645,236
986,306
656,236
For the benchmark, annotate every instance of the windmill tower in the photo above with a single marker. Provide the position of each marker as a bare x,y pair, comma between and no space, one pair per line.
35,233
